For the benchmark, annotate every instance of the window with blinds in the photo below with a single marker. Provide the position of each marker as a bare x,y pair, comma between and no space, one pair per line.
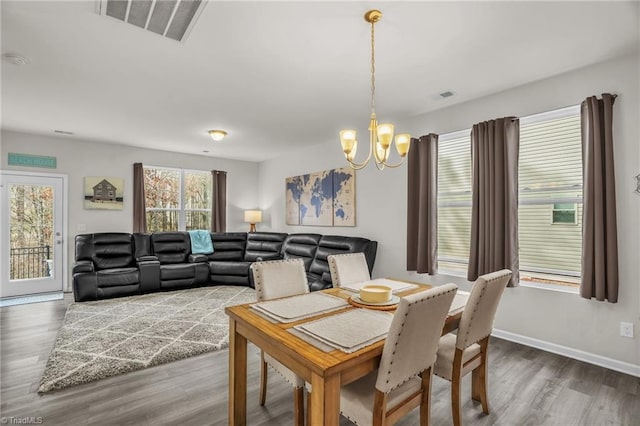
550,211
454,201
550,180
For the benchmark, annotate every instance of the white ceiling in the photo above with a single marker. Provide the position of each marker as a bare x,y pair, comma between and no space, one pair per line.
281,75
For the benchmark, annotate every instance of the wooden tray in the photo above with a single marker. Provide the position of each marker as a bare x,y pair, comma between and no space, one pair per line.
374,307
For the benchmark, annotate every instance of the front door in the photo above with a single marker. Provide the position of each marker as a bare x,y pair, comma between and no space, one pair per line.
32,209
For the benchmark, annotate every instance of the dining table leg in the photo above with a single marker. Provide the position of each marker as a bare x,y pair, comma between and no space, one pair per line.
325,400
237,377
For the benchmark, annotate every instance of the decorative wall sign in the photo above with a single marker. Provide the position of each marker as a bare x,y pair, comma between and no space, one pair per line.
324,198
103,193
28,160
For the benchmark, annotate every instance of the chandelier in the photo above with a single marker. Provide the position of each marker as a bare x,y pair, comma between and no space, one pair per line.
380,135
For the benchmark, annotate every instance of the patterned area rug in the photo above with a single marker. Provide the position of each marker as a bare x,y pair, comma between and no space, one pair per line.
110,337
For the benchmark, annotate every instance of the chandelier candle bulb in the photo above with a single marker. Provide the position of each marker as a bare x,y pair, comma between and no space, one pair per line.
403,142
349,142
385,134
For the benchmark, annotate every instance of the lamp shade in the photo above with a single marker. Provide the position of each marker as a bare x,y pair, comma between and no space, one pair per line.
385,134
253,216
403,142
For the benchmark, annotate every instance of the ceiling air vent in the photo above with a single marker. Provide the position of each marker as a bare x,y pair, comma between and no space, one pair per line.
169,18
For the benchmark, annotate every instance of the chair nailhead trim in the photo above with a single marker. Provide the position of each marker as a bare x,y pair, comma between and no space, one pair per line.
475,308
284,377
333,267
257,268
406,314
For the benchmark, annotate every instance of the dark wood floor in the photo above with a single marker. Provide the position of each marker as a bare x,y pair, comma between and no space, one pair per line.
526,387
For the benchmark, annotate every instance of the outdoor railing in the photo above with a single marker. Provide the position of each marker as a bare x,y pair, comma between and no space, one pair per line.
30,262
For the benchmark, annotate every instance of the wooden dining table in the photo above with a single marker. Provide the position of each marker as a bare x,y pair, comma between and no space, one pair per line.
326,371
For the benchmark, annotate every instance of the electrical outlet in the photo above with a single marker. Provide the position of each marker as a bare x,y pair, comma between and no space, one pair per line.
626,329
82,227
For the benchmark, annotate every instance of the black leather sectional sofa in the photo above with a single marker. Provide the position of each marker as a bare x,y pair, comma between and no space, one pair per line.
120,264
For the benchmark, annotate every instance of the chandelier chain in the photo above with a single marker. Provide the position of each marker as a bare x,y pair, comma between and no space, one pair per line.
373,70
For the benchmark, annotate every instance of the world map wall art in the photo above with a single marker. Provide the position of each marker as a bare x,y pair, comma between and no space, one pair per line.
324,198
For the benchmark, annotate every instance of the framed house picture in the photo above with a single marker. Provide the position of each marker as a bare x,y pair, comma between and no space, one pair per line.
103,193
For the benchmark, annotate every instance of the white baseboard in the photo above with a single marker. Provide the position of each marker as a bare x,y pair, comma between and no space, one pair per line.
610,363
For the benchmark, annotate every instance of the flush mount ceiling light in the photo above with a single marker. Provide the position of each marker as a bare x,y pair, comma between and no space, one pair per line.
380,135
217,135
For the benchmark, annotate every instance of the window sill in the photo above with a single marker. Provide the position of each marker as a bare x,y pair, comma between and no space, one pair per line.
448,272
523,283
552,287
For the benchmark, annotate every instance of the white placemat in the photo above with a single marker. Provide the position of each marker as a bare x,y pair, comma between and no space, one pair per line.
315,342
396,286
349,331
291,309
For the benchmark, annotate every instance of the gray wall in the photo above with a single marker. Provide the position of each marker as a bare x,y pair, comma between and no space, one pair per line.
552,317
79,158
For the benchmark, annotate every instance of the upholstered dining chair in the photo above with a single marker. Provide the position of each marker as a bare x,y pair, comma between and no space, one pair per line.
466,352
348,268
274,279
403,379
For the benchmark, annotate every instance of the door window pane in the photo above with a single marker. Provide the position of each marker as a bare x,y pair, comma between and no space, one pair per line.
31,229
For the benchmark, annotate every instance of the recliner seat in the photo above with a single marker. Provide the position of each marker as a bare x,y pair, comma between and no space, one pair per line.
106,267
178,267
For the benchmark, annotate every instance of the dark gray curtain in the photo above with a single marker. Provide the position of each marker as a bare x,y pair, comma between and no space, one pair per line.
422,205
219,201
139,214
599,228
494,208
